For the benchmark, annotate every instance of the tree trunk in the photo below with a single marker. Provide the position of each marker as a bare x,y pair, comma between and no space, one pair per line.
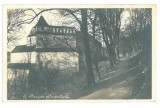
107,37
95,47
84,29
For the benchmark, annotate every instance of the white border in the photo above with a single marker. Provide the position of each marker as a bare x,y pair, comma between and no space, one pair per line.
84,104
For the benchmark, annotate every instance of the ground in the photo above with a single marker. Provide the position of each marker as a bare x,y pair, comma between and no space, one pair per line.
128,80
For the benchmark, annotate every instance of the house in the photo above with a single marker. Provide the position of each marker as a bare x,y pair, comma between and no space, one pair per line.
49,47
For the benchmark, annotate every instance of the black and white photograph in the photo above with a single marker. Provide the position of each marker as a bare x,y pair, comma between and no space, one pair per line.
79,53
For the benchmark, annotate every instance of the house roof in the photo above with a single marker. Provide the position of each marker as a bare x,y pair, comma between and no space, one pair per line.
32,32
62,49
23,48
42,22
20,65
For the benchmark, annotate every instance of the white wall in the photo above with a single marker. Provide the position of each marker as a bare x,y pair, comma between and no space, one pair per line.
60,60
22,57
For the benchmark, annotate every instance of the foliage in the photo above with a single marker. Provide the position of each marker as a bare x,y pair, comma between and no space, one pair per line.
48,82
14,26
17,84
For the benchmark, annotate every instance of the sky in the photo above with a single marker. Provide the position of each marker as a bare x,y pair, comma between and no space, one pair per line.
125,18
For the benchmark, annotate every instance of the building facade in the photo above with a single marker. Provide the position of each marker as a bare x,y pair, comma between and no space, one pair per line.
49,47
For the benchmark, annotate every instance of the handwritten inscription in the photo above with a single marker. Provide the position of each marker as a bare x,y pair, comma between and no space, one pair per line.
32,96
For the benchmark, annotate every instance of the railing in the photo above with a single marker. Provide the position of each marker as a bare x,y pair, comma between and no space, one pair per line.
54,30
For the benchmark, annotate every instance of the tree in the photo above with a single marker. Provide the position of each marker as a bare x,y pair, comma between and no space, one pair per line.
80,16
92,16
139,22
84,29
110,22
14,26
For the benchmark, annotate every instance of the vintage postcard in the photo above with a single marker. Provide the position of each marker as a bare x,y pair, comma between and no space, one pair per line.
79,52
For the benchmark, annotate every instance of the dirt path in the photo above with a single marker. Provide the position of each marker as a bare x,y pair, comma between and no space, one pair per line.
123,83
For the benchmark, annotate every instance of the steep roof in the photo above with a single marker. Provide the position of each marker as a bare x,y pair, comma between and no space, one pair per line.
23,48
20,65
42,22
